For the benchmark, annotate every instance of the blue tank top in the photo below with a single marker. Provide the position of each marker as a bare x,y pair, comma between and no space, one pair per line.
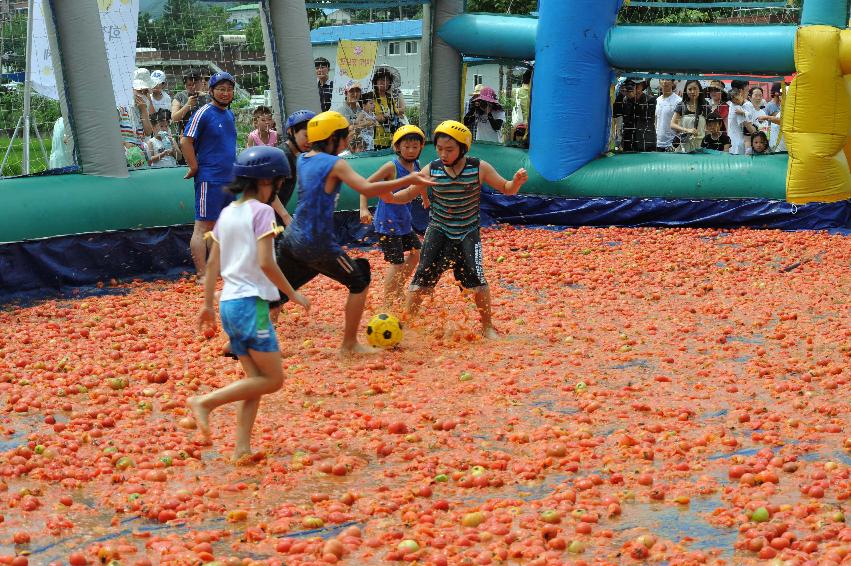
312,229
394,219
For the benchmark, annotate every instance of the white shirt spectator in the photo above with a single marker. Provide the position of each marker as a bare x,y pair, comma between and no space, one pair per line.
665,109
164,103
735,123
484,130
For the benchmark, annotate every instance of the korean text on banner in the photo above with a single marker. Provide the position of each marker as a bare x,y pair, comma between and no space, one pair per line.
120,22
355,62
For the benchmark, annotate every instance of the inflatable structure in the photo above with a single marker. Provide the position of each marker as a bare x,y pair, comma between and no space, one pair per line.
577,48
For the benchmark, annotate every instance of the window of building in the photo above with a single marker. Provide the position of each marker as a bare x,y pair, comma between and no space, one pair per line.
394,48
411,47
477,80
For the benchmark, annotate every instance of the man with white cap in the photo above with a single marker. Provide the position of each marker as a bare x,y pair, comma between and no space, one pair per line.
135,122
159,97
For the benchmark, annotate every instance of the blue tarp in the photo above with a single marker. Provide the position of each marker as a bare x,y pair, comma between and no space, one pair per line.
39,268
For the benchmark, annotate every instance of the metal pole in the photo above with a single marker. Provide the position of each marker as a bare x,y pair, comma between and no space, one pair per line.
28,90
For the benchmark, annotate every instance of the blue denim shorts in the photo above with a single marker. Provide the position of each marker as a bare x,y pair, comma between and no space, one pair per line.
247,324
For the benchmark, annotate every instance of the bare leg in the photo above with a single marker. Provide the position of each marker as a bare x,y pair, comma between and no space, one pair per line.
264,375
245,417
397,276
482,296
354,311
393,284
415,299
198,246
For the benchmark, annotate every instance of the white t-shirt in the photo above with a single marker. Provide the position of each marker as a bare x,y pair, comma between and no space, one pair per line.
754,116
665,109
238,229
775,140
734,129
163,103
484,131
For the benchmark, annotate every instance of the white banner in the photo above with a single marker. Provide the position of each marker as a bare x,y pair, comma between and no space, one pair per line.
355,62
120,22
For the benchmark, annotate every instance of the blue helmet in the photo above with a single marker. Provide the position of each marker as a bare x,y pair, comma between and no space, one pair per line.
299,117
219,77
261,162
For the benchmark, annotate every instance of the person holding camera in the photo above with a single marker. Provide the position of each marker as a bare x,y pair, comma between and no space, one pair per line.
389,106
486,117
186,102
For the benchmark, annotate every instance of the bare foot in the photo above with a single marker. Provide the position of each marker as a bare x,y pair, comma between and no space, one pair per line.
201,414
242,458
490,333
357,348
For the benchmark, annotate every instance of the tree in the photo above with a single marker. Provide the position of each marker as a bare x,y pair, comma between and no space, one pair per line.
13,32
503,6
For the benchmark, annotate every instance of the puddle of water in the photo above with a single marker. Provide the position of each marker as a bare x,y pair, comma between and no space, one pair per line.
677,523
755,339
549,404
714,414
644,364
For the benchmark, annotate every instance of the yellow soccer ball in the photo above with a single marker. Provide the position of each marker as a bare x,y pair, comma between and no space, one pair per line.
384,331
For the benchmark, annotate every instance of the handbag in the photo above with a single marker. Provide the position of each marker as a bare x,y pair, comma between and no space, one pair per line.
689,142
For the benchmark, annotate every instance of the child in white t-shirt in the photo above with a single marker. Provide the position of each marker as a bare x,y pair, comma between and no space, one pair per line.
736,120
243,254
161,147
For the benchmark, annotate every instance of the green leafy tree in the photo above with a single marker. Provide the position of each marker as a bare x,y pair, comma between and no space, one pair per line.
254,35
502,6
214,24
14,42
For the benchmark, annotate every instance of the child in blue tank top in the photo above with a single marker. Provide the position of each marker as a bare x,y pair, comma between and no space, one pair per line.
452,238
393,221
309,245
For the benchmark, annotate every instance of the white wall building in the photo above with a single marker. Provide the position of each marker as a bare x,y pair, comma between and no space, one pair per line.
400,47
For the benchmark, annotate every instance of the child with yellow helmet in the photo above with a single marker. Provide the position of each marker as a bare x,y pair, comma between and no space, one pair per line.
392,222
452,239
309,246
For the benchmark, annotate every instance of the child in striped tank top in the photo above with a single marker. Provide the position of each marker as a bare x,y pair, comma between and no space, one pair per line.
452,239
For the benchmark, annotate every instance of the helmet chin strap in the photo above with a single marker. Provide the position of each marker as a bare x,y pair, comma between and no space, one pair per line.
461,155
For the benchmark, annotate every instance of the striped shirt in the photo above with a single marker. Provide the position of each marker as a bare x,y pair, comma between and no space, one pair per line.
455,201
130,125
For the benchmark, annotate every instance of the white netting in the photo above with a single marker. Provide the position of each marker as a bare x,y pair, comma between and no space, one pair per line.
33,132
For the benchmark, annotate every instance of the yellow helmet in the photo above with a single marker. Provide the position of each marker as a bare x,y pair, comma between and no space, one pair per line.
457,131
323,125
405,130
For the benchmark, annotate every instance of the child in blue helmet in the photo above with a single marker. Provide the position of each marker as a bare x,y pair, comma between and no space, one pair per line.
295,144
243,253
209,147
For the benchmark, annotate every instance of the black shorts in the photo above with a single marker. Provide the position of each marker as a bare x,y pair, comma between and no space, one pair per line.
394,247
354,275
440,252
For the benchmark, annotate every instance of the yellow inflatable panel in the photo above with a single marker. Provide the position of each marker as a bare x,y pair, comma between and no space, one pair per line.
817,119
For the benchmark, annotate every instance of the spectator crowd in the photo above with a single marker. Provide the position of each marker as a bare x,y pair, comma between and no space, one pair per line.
664,115
739,118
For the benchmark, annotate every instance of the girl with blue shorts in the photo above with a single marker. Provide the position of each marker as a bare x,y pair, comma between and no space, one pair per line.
243,254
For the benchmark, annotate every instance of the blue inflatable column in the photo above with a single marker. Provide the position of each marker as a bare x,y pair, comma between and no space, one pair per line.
570,89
